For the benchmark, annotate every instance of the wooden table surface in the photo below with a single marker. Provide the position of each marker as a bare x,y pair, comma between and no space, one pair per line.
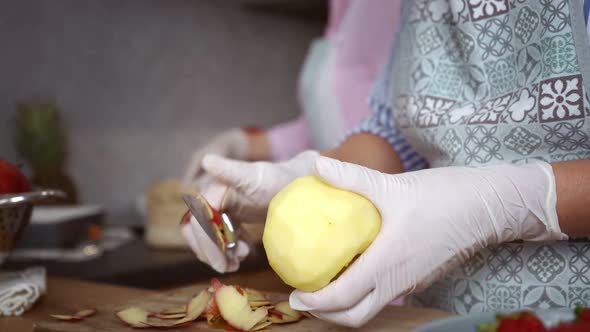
65,295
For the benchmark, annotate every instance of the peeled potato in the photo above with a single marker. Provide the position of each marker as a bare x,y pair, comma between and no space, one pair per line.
314,230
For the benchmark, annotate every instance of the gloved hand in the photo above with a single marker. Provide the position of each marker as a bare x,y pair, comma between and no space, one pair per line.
232,143
251,185
432,221
243,189
208,252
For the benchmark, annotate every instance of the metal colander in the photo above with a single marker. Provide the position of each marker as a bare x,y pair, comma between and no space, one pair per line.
15,214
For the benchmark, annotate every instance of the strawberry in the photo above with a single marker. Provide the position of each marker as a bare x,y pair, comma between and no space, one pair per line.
12,180
527,322
523,322
582,314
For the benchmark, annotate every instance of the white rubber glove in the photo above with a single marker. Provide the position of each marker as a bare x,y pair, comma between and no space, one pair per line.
432,221
208,252
244,189
251,185
232,143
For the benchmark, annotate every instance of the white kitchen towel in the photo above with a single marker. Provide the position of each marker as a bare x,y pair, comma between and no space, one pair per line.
20,290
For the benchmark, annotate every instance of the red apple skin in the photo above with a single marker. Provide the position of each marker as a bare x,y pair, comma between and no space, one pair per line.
228,320
12,180
212,313
275,312
216,284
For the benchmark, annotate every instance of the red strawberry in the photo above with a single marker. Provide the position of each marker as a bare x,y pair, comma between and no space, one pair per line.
12,180
582,314
524,322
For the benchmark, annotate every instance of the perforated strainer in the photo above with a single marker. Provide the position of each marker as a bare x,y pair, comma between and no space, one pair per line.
15,214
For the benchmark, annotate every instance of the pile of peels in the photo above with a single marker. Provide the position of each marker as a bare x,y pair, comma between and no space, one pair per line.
222,306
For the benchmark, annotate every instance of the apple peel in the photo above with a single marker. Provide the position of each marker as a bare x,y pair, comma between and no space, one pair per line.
212,313
67,318
285,308
134,317
86,313
140,318
258,304
215,285
175,310
78,316
169,316
256,298
235,310
195,307
171,311
261,325
282,313
228,307
254,295
277,317
215,217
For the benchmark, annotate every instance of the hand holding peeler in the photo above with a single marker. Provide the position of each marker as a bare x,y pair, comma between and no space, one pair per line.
217,225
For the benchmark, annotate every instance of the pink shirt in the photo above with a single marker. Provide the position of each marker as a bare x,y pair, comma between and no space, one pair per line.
362,33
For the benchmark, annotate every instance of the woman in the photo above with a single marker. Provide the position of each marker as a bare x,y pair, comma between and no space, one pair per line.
492,94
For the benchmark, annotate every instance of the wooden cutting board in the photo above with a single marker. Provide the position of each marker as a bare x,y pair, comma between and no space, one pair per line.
391,319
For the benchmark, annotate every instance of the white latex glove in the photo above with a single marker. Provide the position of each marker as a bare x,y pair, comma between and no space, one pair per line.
244,189
232,143
432,221
208,252
251,185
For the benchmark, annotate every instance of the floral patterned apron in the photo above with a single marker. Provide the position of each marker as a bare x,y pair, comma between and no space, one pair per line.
496,81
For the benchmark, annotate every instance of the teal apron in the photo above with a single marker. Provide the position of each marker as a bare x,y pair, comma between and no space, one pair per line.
481,82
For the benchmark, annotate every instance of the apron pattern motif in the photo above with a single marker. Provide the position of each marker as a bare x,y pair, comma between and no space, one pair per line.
507,277
502,86
496,81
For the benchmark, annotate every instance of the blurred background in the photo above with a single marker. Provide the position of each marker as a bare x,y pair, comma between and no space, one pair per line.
139,84
105,98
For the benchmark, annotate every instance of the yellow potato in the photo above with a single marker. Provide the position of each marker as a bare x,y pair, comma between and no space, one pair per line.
314,230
